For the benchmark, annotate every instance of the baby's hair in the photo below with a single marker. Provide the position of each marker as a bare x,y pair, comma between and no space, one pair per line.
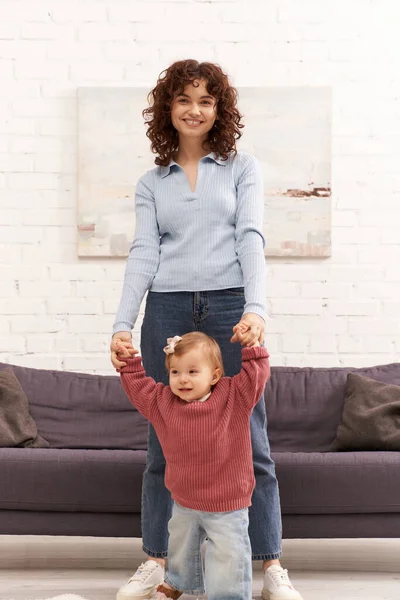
196,339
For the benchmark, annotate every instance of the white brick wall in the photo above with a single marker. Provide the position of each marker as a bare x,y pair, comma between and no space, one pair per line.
56,310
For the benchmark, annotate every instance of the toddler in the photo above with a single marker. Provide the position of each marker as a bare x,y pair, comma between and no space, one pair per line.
202,420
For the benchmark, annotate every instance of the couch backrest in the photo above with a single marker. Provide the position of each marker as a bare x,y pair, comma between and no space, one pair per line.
304,405
74,410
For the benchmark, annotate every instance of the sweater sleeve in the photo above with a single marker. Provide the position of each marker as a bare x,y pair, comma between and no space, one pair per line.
250,382
143,259
249,239
141,390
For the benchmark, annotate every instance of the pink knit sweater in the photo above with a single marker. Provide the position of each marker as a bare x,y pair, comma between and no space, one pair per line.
206,445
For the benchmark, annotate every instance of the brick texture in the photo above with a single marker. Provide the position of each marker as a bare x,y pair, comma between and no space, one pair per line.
57,310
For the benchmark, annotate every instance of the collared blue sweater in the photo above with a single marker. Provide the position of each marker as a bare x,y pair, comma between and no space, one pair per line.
209,239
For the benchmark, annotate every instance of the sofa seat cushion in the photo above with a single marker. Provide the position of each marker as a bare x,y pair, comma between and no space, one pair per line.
107,481
337,482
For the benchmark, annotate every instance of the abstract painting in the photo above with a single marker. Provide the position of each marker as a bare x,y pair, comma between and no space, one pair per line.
288,129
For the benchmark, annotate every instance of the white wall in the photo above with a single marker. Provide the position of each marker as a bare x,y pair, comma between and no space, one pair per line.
56,310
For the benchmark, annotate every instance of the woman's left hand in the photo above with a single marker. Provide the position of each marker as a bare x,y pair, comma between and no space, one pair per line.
254,329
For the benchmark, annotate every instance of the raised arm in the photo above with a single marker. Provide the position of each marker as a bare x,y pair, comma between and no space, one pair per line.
254,374
141,390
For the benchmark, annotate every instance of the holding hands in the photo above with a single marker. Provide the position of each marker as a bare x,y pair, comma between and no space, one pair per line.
121,347
249,331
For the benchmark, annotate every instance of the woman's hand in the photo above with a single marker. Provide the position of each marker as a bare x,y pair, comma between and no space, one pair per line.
119,348
249,330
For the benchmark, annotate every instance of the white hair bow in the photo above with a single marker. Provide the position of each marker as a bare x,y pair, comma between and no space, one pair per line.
171,343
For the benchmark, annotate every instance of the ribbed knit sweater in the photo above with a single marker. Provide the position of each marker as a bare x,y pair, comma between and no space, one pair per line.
209,239
207,445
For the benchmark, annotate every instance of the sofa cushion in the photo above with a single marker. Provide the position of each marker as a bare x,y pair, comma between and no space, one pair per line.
17,428
337,482
110,481
74,410
304,405
105,481
371,416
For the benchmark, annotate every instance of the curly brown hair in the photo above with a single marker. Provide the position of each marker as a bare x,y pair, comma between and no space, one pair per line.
170,84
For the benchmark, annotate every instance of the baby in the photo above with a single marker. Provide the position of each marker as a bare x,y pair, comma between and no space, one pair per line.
202,420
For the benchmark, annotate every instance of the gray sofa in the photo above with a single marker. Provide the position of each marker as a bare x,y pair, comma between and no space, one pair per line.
89,481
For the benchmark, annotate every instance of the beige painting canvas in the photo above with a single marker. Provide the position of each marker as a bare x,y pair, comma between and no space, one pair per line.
288,129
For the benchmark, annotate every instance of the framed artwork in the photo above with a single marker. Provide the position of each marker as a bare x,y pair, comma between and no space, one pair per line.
287,129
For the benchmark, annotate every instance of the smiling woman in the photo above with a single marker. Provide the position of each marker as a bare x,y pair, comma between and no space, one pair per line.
194,108
198,252
193,115
188,86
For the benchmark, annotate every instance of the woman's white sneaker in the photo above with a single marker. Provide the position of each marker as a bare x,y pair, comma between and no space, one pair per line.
143,583
277,585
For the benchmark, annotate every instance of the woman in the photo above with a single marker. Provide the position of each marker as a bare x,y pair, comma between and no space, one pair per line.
198,250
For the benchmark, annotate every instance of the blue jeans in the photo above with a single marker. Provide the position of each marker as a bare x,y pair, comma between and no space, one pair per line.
214,313
228,569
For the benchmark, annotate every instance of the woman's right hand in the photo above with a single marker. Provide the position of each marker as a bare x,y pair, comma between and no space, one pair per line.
117,341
